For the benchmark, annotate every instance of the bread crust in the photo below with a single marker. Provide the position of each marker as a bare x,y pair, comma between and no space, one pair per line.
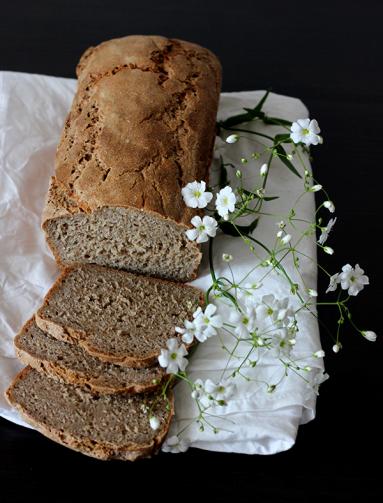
65,375
73,336
85,445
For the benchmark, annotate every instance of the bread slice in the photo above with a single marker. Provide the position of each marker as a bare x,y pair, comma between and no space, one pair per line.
70,363
142,125
101,426
114,315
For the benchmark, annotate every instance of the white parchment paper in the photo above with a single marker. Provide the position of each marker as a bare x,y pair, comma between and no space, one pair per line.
32,113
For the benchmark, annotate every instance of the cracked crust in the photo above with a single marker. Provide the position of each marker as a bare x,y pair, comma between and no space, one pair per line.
86,445
142,125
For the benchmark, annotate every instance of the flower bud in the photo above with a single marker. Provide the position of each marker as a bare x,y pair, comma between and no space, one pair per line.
336,348
330,206
233,138
226,257
286,239
319,354
264,169
315,188
312,292
370,336
328,250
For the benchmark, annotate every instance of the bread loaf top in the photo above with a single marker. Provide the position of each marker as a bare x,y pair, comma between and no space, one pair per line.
142,125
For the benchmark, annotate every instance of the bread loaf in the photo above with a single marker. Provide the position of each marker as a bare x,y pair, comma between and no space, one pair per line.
101,426
142,125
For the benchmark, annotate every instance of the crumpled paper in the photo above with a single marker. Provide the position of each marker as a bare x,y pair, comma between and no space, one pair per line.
32,113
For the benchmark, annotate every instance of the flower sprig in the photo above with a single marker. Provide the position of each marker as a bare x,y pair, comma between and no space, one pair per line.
252,327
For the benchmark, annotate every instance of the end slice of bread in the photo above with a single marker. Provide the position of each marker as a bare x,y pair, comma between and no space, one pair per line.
70,363
101,426
115,315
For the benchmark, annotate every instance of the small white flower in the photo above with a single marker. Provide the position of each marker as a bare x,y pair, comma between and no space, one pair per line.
336,348
330,206
333,283
263,169
188,332
277,310
154,423
220,392
279,234
281,224
207,322
233,138
172,358
326,231
175,445
203,228
243,320
225,202
312,292
195,195
370,336
328,250
352,279
315,188
226,257
319,354
305,131
286,239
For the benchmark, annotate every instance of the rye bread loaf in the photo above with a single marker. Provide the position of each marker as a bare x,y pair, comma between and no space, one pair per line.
70,363
101,426
115,315
141,126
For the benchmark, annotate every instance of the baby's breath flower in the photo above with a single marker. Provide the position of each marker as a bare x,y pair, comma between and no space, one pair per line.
326,231
203,229
333,283
281,224
352,279
305,131
188,332
154,423
279,234
289,157
172,358
330,206
233,138
263,169
312,292
319,354
226,257
328,250
195,195
370,336
315,188
220,392
225,202
307,368
207,322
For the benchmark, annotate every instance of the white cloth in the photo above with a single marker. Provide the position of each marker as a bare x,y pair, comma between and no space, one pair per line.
32,112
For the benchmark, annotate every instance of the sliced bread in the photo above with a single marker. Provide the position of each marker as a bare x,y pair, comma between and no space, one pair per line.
115,315
101,426
70,363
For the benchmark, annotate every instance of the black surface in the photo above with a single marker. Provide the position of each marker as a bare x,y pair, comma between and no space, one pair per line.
329,55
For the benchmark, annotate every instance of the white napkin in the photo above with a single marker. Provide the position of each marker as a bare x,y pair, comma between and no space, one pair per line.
32,112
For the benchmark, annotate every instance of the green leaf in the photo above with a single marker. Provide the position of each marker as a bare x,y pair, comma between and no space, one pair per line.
282,156
249,115
266,198
282,138
238,230
276,121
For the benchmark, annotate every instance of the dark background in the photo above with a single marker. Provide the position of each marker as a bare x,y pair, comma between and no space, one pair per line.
328,53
